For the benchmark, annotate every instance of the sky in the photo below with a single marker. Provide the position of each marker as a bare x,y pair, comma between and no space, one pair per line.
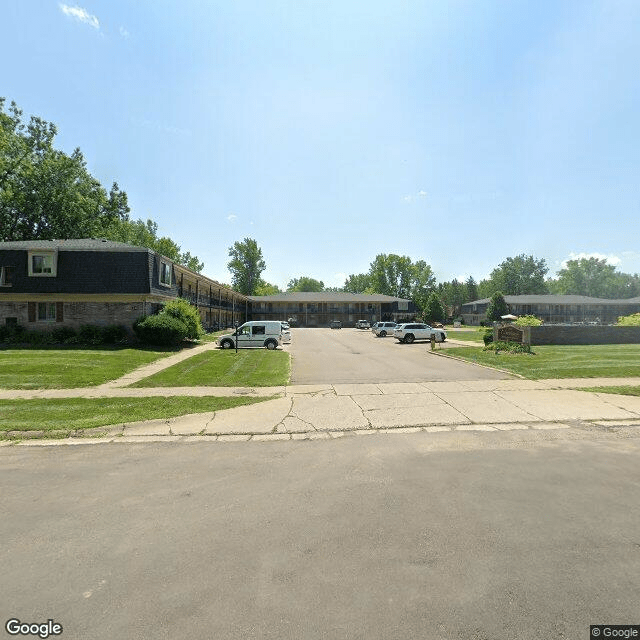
330,131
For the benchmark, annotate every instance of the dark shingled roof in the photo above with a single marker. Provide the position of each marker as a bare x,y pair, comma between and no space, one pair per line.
83,244
326,296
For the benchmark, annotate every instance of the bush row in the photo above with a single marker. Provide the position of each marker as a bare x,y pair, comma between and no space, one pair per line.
87,334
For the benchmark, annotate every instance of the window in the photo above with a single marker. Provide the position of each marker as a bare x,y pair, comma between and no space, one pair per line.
165,274
6,276
42,263
47,311
258,330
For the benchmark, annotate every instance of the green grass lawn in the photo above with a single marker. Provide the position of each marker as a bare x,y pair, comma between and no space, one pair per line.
624,391
566,361
469,336
69,368
83,413
225,368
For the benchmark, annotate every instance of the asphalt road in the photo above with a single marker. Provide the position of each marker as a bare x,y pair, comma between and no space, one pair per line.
431,536
351,355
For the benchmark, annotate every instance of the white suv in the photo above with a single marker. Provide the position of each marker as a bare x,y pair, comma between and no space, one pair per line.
412,331
383,329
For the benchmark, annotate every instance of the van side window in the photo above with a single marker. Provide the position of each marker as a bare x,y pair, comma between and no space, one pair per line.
258,330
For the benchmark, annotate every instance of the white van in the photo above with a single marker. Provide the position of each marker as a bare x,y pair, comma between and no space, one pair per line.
257,333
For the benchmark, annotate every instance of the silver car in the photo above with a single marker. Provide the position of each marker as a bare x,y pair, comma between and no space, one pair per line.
412,331
383,329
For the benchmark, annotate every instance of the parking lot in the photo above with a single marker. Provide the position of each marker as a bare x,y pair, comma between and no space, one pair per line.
350,355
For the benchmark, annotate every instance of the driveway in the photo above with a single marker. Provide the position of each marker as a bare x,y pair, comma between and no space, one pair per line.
320,356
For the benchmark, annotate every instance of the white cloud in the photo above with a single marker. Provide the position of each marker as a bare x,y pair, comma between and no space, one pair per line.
231,217
422,193
124,33
611,259
80,14
407,198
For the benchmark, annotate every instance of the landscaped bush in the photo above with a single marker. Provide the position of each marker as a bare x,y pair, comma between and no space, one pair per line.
64,335
187,314
487,336
528,321
114,334
508,347
90,334
629,321
161,329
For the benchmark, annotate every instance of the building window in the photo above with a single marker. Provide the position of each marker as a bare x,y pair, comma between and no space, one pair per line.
42,263
46,311
165,274
6,276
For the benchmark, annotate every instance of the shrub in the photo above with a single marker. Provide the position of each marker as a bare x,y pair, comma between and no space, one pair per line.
629,321
508,347
181,310
63,335
90,334
162,330
497,307
487,336
528,321
114,334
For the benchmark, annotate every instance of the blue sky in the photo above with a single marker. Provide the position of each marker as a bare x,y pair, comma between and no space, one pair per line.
458,132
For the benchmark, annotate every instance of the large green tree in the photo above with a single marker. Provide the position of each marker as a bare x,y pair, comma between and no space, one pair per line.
399,276
246,266
434,310
596,278
304,283
358,283
44,193
517,276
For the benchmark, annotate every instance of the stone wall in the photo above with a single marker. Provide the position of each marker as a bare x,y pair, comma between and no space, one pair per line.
561,334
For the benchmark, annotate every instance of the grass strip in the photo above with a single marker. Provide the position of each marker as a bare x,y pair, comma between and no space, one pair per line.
468,336
85,413
69,368
623,391
225,368
565,361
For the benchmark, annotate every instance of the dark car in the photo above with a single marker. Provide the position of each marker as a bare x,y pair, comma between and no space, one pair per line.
335,324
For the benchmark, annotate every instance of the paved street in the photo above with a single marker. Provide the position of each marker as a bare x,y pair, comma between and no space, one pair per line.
352,356
459,536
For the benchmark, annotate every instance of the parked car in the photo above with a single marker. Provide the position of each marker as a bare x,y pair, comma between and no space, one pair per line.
412,331
267,333
286,333
335,324
384,328
374,326
362,324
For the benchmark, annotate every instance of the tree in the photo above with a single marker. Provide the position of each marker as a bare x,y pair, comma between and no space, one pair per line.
518,276
44,193
305,283
595,278
145,234
434,311
497,307
358,283
266,289
246,265
453,296
471,293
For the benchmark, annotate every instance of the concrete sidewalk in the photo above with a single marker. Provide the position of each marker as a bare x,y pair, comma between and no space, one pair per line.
324,411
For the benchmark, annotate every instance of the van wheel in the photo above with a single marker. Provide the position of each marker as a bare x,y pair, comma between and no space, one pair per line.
409,338
226,344
271,345
383,334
